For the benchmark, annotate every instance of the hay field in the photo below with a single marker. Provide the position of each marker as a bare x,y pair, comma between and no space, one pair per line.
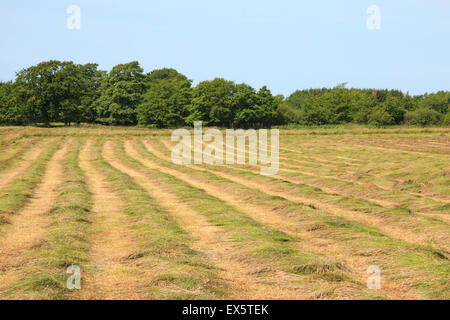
110,201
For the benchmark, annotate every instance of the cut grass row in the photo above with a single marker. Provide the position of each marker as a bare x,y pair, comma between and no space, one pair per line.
66,242
332,182
261,243
29,224
109,273
387,175
347,148
429,182
398,221
314,249
16,194
244,279
426,260
15,150
175,270
395,169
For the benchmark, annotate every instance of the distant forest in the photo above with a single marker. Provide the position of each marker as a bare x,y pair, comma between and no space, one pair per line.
66,92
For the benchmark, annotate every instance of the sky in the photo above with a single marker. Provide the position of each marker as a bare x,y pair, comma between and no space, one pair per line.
284,44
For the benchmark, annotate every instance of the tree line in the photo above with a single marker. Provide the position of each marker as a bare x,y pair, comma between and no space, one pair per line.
340,105
55,91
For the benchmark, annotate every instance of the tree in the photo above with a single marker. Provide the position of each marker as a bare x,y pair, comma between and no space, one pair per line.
314,111
299,98
12,108
163,74
446,119
395,106
121,92
423,116
380,117
92,79
43,90
57,91
244,98
362,105
268,104
165,102
288,114
439,102
70,90
212,103
262,113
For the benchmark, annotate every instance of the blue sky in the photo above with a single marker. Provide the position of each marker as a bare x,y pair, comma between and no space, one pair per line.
284,44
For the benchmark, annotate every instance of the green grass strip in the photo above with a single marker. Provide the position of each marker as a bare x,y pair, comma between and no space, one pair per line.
186,274
17,193
390,254
67,241
258,242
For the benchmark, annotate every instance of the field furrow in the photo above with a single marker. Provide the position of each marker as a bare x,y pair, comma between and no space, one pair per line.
268,213
109,274
66,240
28,226
23,165
343,176
333,273
13,151
112,203
368,190
18,192
402,225
244,203
240,276
174,268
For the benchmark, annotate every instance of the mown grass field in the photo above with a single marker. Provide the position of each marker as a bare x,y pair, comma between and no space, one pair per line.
140,227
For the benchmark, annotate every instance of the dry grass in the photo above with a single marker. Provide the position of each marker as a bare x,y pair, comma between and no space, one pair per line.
28,226
110,275
111,201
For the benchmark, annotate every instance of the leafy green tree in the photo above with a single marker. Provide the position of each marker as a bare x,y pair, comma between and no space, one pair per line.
446,119
244,98
380,117
121,93
91,80
43,90
289,114
69,91
395,106
339,102
164,74
362,104
166,100
12,107
268,104
212,103
263,113
300,97
314,111
381,95
423,116
390,112
440,102
57,91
